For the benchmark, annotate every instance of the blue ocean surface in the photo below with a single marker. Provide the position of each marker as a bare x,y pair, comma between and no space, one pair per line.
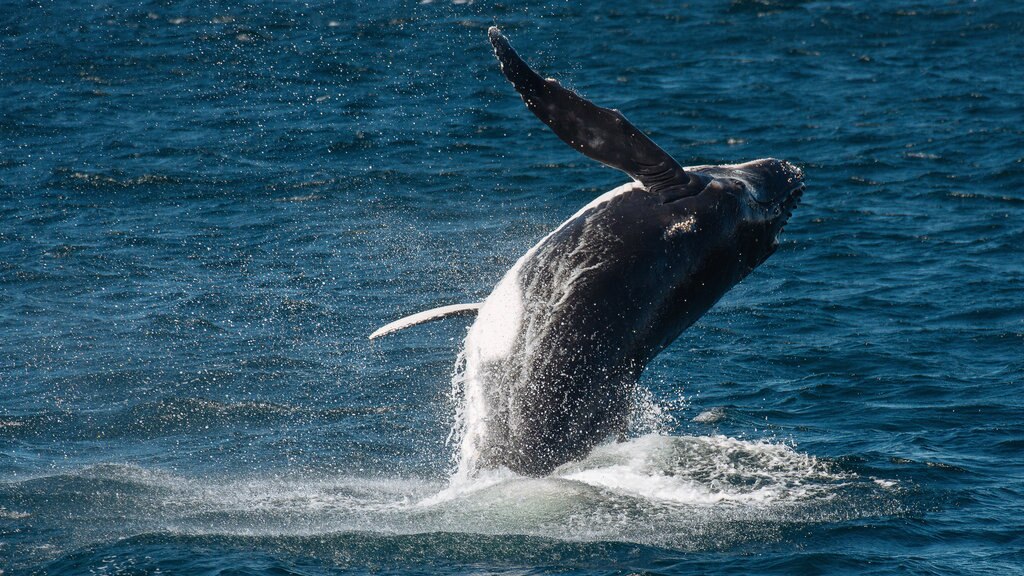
206,207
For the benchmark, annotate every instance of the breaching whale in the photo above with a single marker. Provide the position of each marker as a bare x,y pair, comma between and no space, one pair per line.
553,358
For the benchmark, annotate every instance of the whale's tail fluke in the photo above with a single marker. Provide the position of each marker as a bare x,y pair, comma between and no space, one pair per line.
599,133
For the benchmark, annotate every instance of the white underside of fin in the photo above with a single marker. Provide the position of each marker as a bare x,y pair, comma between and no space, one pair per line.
426,316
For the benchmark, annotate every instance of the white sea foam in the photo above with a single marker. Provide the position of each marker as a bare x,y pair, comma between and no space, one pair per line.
684,492
700,470
710,416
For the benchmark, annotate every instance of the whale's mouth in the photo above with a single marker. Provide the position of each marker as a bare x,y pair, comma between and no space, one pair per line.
791,178
785,209
790,203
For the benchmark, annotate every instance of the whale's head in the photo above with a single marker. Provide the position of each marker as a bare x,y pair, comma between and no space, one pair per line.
752,202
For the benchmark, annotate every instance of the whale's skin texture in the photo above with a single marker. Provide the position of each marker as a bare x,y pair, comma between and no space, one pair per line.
562,340
550,366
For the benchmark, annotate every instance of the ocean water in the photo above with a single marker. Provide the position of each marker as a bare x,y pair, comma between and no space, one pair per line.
207,206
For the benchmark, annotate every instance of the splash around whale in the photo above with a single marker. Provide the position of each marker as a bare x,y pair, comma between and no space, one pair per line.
550,366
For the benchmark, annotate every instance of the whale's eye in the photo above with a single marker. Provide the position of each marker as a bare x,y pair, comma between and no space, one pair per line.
759,194
746,191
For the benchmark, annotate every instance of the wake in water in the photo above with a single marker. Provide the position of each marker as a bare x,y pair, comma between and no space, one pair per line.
679,492
684,492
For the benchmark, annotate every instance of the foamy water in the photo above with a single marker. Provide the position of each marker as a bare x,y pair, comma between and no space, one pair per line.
656,490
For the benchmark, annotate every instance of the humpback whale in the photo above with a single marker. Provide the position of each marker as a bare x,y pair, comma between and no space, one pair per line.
553,358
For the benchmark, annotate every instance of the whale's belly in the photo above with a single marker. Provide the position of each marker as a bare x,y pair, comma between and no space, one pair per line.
542,360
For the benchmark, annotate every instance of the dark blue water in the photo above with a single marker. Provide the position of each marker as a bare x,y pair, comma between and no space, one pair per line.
206,207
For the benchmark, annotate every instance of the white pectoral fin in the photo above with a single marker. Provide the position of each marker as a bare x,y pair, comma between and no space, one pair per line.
427,316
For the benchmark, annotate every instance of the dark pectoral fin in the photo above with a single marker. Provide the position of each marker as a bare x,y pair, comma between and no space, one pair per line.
600,133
